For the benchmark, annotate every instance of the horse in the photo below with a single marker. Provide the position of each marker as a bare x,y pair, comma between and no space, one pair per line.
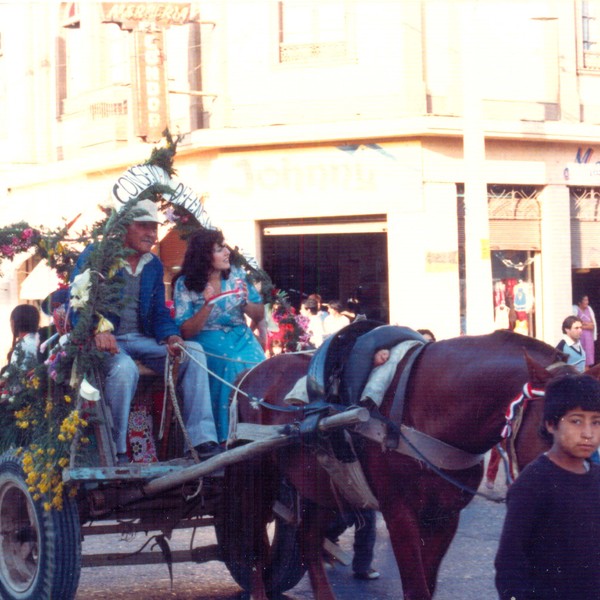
458,392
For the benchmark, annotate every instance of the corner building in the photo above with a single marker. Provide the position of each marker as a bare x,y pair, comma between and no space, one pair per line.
433,158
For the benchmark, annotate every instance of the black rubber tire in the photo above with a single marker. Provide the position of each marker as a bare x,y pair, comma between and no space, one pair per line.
284,568
40,551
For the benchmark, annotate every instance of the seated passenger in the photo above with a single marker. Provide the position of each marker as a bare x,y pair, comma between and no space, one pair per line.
145,331
212,300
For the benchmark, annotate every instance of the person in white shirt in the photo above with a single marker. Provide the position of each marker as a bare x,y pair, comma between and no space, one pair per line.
335,320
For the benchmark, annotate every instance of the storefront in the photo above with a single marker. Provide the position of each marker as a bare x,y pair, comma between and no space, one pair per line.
515,245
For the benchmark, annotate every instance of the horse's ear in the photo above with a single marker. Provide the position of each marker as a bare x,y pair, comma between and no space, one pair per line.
538,374
594,371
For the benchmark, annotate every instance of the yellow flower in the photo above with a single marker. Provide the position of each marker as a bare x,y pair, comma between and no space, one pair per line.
104,325
47,506
68,399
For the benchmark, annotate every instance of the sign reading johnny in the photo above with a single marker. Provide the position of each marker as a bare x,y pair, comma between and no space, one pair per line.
141,177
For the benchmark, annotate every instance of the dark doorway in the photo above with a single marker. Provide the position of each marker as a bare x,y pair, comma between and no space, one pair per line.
336,266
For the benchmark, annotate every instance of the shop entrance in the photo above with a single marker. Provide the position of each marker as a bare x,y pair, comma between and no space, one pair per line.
336,260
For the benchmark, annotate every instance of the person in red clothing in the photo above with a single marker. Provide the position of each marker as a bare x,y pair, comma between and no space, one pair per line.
550,543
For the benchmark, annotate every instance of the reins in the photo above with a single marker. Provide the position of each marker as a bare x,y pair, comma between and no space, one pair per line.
513,421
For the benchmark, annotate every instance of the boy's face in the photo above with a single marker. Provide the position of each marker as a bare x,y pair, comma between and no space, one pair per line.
577,434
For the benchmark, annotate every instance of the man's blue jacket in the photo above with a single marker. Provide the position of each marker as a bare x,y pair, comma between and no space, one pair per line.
154,316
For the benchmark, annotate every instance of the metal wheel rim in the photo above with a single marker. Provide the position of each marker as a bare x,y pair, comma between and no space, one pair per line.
19,537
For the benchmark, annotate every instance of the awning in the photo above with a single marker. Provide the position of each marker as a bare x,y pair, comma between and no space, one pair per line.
39,283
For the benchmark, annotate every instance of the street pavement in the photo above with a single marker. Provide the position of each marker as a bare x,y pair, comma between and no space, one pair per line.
467,571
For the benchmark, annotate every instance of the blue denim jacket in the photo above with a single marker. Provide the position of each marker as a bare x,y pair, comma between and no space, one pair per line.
155,317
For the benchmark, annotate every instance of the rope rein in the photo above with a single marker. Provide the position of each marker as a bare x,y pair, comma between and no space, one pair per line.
188,355
171,387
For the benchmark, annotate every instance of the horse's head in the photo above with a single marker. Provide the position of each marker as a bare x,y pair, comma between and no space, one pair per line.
528,442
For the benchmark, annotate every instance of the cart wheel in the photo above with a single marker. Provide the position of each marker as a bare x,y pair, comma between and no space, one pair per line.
40,551
244,529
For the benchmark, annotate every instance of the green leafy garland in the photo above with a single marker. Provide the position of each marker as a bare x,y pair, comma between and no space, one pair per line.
43,407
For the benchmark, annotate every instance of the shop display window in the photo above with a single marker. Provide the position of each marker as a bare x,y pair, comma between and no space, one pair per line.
514,290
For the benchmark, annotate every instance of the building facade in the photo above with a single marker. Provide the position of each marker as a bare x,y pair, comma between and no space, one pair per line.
434,158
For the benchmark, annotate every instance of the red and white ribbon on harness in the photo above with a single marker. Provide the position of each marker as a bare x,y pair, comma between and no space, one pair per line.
528,393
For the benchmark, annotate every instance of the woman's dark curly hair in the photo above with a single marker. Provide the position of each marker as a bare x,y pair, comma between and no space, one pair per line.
197,261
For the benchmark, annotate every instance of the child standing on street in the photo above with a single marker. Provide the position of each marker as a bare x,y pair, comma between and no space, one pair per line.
550,544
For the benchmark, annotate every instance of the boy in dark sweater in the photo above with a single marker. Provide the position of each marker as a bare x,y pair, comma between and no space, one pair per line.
550,544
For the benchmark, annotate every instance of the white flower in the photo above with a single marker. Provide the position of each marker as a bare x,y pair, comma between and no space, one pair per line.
80,289
88,392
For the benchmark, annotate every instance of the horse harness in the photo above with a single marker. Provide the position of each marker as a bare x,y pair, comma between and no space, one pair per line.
341,375
514,419
337,373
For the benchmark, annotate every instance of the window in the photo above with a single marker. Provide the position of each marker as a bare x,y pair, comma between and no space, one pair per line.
314,31
585,227
590,34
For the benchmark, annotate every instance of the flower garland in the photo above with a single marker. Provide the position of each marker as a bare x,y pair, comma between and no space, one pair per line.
43,408
287,331
53,245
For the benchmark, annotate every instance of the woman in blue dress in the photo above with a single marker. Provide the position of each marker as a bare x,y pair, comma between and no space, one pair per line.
212,299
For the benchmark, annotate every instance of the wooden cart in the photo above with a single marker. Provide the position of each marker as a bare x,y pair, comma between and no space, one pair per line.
41,551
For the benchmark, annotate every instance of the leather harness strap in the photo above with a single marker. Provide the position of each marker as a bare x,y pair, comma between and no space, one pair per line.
397,411
422,447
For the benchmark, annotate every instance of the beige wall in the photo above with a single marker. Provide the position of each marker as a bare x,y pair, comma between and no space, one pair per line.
272,149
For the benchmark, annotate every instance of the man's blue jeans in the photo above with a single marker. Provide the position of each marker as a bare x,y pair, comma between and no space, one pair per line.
121,379
365,532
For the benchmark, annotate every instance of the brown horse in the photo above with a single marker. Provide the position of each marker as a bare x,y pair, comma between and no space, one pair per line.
458,392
